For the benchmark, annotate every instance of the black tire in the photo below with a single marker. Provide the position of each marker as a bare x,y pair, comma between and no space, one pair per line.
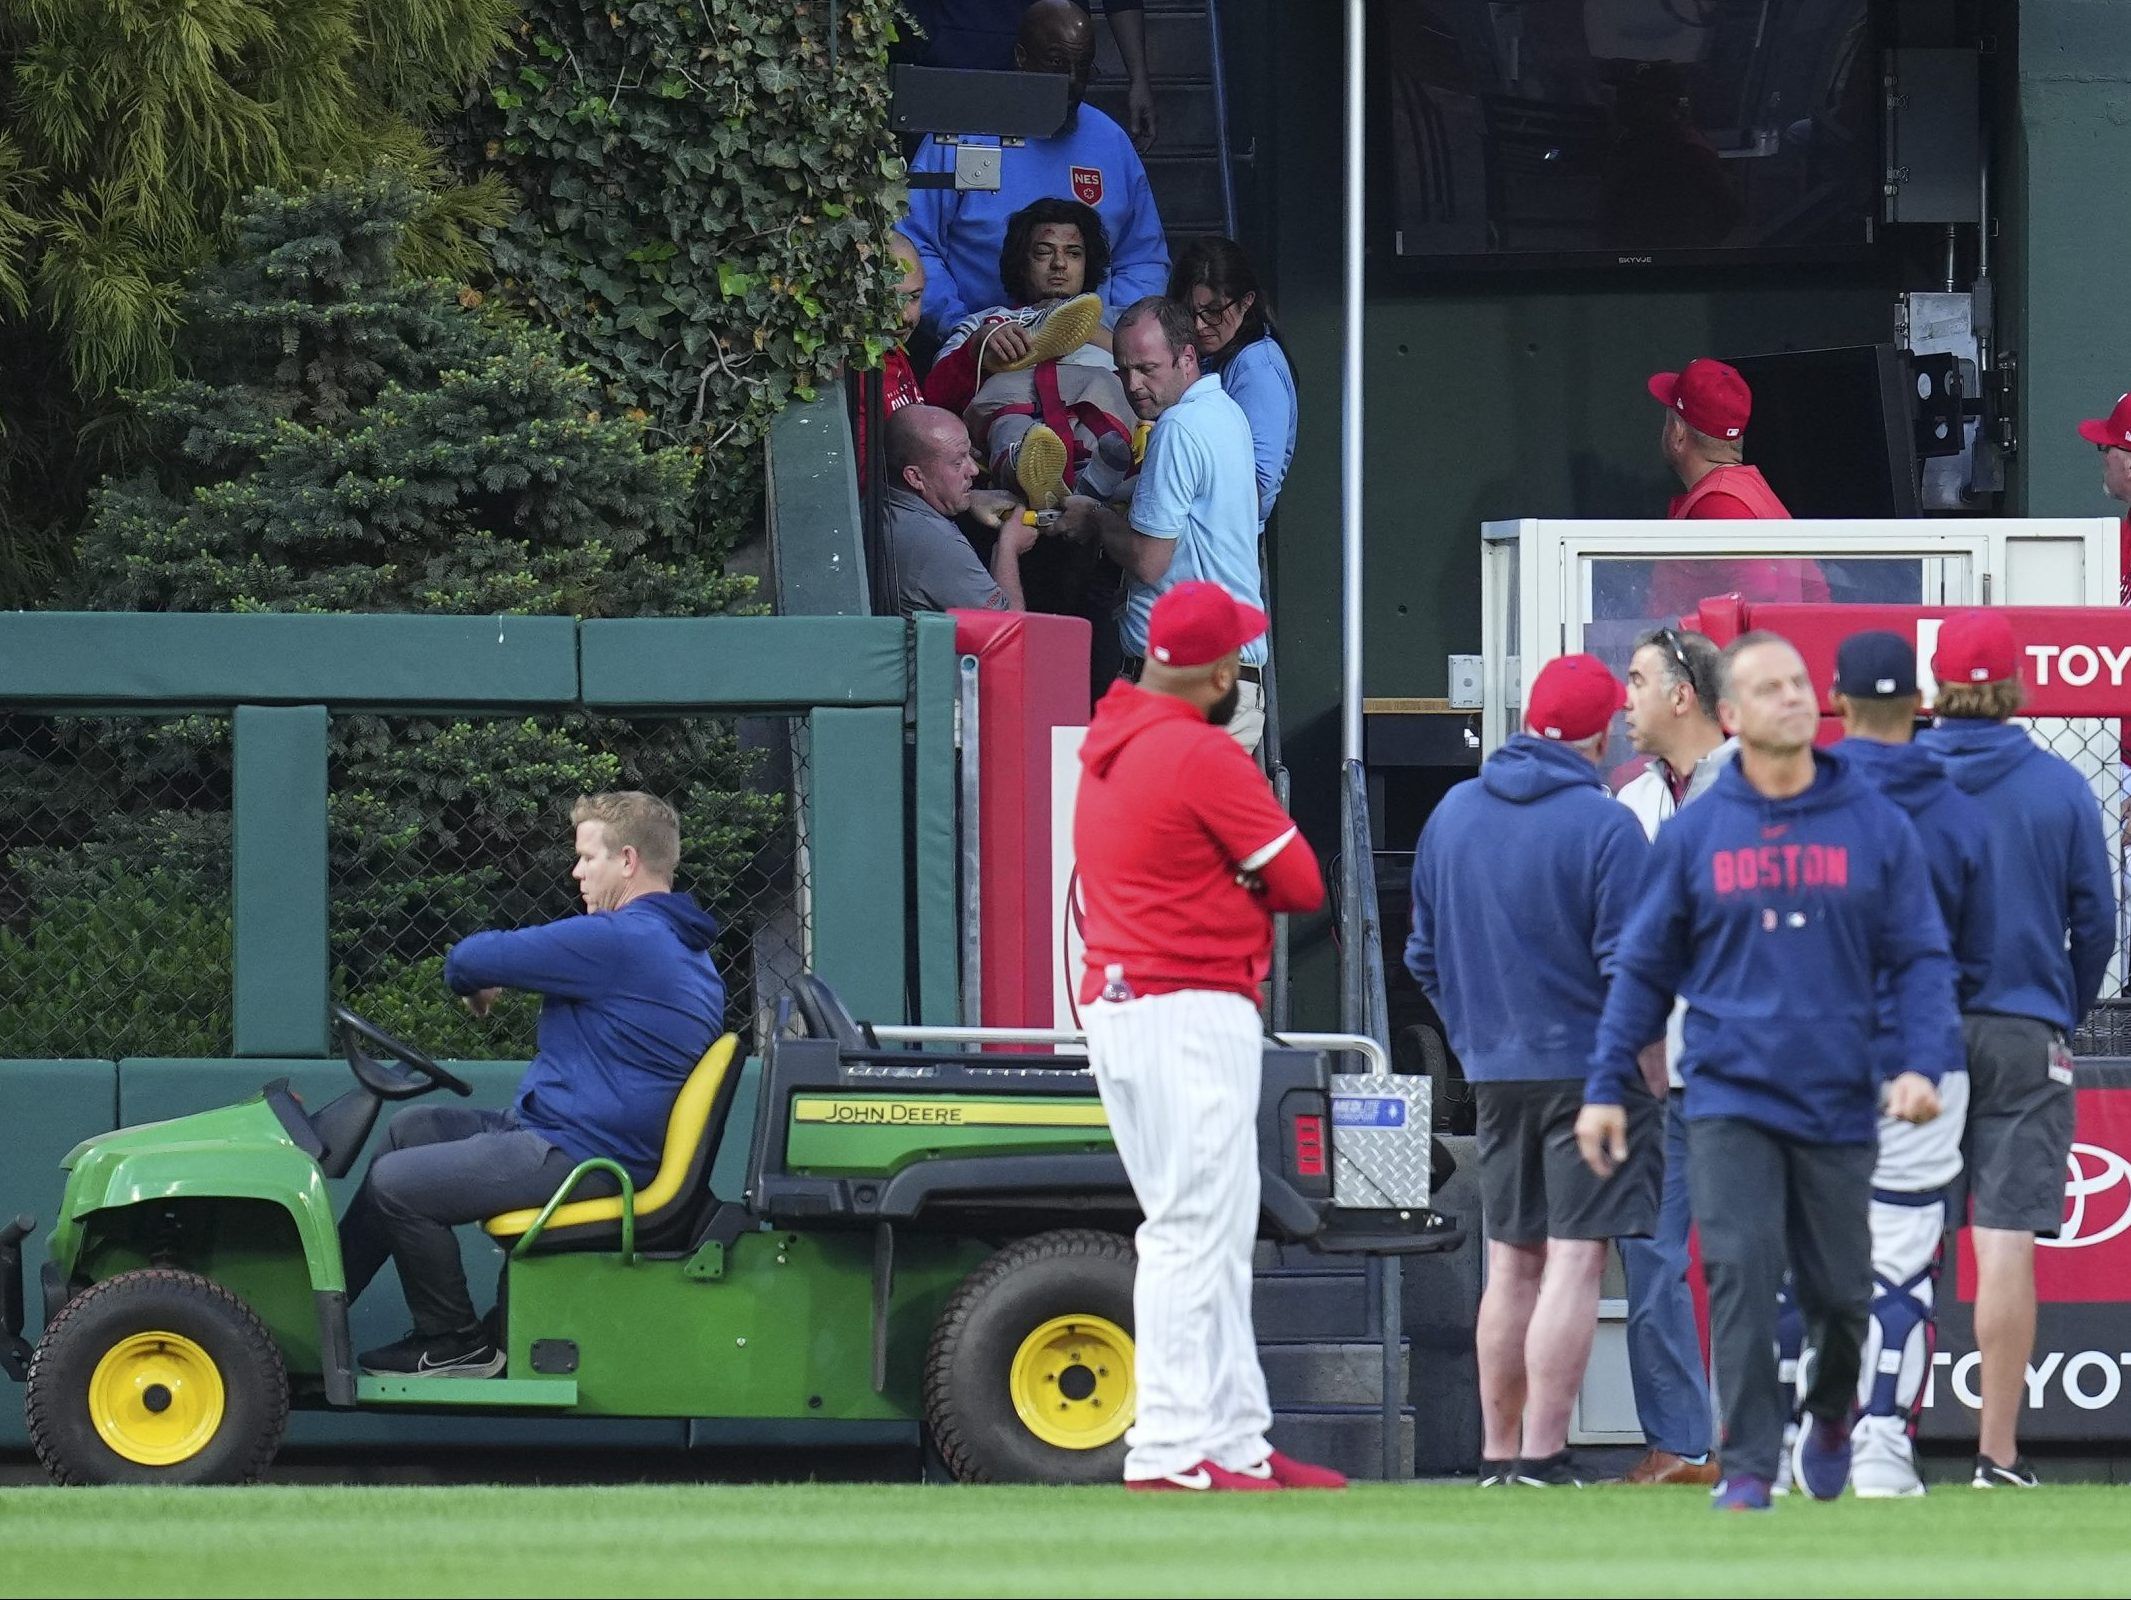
255,1385
969,1405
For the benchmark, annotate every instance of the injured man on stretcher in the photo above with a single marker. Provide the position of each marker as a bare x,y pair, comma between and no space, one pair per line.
1035,381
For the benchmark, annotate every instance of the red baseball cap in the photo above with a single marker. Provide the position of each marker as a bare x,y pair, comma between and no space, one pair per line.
1197,622
2114,430
1976,647
1711,397
1572,698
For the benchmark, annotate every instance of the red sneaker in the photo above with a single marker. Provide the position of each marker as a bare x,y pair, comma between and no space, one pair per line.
1292,1474
1203,1479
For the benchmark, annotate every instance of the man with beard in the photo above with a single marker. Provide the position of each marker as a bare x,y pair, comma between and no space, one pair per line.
1184,858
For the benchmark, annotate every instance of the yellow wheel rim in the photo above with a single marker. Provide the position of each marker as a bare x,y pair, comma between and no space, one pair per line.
156,1398
1072,1382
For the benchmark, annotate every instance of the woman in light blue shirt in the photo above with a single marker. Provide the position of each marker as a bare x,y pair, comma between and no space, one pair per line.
1233,327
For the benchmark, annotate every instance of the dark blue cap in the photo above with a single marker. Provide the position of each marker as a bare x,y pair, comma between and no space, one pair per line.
1876,666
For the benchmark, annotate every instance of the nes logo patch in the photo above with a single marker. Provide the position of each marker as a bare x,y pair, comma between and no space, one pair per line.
1087,185
1368,1111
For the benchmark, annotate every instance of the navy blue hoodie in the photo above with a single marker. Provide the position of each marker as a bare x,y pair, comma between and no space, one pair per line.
2049,871
1777,921
1955,835
630,1001
1521,882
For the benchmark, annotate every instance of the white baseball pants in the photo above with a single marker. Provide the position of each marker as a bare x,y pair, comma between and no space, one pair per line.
1179,1077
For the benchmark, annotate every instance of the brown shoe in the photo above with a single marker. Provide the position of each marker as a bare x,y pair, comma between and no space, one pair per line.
1662,1466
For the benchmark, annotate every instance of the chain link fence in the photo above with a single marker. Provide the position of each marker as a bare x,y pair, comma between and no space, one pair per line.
2095,746
115,856
114,887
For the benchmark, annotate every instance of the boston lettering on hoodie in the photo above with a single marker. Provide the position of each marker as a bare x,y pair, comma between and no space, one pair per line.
1521,881
630,1000
1777,921
2049,871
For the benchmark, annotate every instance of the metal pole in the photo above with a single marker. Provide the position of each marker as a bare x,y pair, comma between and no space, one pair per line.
1387,1274
1350,407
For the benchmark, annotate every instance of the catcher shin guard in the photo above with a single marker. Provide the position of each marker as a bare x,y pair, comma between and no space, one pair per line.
1908,1239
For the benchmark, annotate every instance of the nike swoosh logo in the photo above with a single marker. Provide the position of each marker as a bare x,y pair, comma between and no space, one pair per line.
1262,1470
1197,1478
1776,832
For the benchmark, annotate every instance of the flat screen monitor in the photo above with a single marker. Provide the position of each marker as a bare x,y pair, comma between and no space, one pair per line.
1831,430
1630,133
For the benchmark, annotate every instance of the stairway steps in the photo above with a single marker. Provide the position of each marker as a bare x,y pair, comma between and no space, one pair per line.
1327,1373
1186,112
1312,1306
1345,1438
1177,44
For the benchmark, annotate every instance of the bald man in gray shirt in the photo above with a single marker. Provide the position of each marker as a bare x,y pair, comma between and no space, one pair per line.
930,473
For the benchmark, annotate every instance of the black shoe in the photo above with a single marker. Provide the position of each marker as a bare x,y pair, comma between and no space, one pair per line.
469,1353
1548,1472
1989,1475
1496,1474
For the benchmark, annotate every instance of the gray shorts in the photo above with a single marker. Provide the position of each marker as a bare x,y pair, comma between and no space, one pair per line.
2019,1133
1534,1185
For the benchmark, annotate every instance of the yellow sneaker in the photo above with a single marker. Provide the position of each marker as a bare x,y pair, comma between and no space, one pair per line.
1066,328
1039,467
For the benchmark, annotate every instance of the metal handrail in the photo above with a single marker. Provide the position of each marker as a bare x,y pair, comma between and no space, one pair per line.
1218,67
1364,1007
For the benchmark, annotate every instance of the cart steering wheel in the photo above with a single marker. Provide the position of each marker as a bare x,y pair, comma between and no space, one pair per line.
382,1081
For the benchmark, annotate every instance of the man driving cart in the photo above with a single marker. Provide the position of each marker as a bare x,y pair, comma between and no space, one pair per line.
630,1000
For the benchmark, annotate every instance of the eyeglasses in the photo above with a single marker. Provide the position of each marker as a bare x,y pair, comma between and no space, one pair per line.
1212,312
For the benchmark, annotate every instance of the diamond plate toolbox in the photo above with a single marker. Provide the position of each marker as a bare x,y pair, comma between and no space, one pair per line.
1381,1133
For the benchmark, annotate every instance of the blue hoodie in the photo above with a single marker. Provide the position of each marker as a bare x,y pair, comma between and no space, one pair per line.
630,1001
1521,882
959,233
2049,871
1955,835
1777,921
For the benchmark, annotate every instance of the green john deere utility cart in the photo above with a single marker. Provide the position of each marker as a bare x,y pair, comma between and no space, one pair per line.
927,1232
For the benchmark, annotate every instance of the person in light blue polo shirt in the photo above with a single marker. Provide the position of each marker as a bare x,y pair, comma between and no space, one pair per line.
1194,511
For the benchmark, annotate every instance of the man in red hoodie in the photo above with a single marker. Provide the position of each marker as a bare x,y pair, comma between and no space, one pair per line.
1184,857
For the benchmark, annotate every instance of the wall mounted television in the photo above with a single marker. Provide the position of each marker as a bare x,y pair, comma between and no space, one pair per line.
1625,133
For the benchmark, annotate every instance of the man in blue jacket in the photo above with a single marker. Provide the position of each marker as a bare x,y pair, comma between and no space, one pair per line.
1091,159
1914,1176
1521,881
2053,931
1778,906
630,1000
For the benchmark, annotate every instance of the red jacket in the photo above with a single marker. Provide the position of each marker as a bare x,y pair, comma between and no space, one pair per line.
1171,810
1739,494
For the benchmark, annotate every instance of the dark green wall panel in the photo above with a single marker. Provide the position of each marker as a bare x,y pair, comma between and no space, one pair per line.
760,663
52,660
855,835
46,1108
279,940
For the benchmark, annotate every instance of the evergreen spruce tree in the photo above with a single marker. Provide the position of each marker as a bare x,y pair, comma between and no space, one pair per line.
130,132
352,438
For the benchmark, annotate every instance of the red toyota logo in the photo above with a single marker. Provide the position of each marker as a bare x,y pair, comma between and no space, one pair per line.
1087,185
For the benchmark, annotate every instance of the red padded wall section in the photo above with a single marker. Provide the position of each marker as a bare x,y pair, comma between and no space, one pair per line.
1032,676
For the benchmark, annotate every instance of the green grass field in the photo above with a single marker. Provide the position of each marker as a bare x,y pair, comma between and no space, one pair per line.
867,1539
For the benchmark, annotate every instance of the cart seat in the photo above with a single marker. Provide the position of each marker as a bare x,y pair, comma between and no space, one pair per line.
666,1205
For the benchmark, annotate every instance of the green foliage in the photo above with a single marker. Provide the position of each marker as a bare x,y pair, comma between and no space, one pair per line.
127,964
130,133
705,192
353,439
